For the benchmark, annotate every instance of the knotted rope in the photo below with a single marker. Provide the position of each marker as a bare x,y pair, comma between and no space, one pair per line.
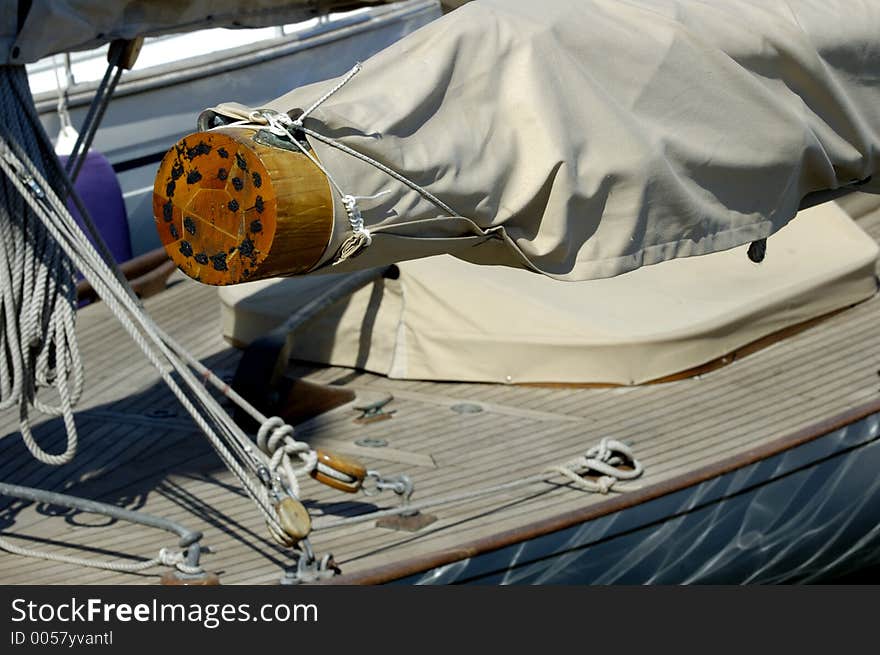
606,459
275,438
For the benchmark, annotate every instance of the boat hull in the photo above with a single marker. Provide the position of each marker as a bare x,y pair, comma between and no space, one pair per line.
808,514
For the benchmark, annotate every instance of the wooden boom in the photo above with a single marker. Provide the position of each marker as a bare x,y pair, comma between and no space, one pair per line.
233,206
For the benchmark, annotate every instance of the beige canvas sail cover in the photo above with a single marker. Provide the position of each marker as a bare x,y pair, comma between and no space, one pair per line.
444,319
585,139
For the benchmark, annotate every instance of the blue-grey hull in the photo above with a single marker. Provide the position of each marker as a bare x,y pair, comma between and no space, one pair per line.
804,515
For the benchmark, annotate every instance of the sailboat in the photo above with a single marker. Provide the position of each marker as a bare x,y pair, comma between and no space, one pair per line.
544,321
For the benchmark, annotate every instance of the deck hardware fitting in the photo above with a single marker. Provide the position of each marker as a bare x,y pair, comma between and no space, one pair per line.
466,408
406,521
309,568
374,411
371,442
400,484
337,471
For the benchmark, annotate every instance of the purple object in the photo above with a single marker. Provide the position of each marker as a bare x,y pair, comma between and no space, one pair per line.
102,196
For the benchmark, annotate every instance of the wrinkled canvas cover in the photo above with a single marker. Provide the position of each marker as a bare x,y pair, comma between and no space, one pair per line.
444,319
53,26
585,139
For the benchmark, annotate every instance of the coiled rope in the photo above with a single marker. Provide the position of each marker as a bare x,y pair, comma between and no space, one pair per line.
606,458
37,294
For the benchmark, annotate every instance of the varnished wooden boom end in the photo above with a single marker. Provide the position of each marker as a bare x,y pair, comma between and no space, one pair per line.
231,206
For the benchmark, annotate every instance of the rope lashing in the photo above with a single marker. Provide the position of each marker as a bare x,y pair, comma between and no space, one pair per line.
606,459
282,125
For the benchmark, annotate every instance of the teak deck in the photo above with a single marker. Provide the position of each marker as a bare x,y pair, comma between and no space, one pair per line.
140,450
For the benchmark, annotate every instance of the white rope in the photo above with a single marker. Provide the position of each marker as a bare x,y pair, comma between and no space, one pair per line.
606,458
320,101
61,109
38,349
166,557
275,438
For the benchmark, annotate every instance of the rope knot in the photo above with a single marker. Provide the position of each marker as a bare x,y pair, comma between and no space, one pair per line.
605,483
606,458
356,219
354,214
275,438
278,123
610,451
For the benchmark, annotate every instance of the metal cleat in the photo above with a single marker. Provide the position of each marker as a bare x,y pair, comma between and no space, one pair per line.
374,412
